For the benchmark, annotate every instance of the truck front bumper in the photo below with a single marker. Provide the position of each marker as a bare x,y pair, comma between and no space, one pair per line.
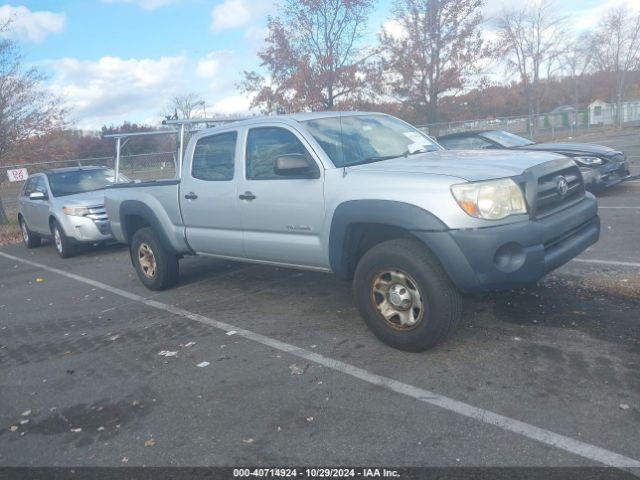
515,255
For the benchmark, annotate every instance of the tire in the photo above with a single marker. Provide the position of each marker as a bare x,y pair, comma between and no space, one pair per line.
30,239
61,242
404,280
157,268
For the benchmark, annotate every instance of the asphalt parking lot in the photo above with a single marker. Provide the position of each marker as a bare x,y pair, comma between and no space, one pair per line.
546,376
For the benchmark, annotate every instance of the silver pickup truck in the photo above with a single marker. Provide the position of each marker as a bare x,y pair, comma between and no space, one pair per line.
368,197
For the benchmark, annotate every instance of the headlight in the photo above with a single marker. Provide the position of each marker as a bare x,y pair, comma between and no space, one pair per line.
588,161
76,211
491,200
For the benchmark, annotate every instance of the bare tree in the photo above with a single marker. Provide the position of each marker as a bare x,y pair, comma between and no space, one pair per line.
575,61
616,49
27,109
435,51
312,57
530,40
185,106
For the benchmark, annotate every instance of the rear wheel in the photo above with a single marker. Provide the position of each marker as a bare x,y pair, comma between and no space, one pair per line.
157,268
30,239
405,297
63,244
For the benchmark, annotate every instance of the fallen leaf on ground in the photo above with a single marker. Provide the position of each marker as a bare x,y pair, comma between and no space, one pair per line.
298,369
167,353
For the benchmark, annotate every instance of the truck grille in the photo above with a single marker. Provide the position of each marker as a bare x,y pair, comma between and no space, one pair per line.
554,194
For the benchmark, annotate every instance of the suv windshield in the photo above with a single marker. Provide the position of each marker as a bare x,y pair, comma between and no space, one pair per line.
506,139
356,139
79,181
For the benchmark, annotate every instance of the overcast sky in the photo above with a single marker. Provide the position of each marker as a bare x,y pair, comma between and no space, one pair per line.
116,60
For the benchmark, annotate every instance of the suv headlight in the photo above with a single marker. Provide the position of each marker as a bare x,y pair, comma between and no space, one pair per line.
76,211
491,200
588,161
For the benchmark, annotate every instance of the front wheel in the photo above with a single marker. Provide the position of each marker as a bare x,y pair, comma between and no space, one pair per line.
405,297
64,247
30,239
157,268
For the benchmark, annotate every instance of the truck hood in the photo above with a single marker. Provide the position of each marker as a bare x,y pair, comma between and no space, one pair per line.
471,165
572,148
85,199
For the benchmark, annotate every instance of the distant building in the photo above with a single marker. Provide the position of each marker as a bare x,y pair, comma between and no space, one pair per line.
603,113
564,109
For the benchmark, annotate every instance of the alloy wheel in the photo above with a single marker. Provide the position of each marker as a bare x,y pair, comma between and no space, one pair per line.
397,298
147,260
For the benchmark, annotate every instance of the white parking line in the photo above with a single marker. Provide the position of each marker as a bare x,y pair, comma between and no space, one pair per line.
627,207
547,437
607,262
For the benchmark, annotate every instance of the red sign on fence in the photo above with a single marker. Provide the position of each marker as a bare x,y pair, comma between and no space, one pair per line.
17,174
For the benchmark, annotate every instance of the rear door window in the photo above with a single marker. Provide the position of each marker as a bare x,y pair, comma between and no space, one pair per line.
214,157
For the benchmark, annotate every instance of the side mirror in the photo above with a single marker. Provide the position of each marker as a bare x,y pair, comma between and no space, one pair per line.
294,164
37,196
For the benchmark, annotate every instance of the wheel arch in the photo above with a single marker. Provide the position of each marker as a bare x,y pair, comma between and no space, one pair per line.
52,219
358,225
135,215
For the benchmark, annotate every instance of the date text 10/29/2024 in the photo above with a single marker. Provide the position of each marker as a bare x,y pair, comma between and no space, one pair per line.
315,473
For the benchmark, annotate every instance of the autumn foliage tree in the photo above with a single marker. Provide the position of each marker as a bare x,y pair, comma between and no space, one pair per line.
433,52
312,56
27,110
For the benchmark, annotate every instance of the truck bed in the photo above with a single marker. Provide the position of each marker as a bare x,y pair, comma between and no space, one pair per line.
158,197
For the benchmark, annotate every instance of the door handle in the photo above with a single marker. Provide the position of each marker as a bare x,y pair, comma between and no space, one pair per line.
191,196
247,196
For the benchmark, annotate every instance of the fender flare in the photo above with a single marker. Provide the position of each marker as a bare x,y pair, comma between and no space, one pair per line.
142,210
384,212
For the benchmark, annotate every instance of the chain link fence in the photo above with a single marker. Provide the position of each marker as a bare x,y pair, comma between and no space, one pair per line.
151,166
548,126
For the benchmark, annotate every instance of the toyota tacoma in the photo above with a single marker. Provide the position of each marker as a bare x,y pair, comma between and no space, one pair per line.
368,197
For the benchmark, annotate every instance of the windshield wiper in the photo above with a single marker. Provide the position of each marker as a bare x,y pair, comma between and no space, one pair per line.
387,157
415,152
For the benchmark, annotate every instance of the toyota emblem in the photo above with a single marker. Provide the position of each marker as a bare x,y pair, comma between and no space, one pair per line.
562,186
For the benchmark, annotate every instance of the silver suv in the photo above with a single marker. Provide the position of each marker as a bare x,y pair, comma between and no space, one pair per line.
66,205
368,197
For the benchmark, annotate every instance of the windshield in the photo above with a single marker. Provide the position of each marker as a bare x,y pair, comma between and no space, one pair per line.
506,139
79,181
356,139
